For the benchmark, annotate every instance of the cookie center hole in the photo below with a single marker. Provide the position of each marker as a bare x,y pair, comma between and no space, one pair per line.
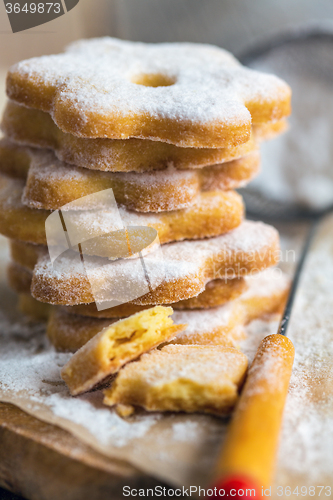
154,80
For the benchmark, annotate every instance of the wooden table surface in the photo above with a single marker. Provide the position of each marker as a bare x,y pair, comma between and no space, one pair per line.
43,462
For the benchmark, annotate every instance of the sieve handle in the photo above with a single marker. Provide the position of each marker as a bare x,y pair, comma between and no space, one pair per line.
248,455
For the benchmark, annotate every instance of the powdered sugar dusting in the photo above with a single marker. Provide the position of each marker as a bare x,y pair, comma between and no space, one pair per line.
115,154
92,222
185,431
248,237
308,417
159,190
94,77
268,283
305,455
188,265
30,368
211,364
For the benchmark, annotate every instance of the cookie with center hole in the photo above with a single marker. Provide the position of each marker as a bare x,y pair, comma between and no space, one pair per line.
190,95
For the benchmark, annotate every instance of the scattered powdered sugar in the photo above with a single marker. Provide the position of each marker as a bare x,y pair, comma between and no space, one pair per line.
308,417
268,283
204,319
307,435
29,343
256,331
30,370
158,445
105,425
185,431
96,76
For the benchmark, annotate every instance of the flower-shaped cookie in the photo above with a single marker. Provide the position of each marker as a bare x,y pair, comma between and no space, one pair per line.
190,95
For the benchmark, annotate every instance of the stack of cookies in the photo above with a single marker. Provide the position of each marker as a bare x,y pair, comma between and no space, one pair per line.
172,129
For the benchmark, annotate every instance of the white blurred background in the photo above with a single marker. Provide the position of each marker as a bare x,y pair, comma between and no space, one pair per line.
232,24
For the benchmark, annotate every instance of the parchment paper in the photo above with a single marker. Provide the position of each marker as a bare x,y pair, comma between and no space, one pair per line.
182,449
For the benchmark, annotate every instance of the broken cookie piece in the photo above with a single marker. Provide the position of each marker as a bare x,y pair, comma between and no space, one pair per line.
116,345
187,378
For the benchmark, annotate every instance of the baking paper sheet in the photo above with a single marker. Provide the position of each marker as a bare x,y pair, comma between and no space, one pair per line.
182,449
